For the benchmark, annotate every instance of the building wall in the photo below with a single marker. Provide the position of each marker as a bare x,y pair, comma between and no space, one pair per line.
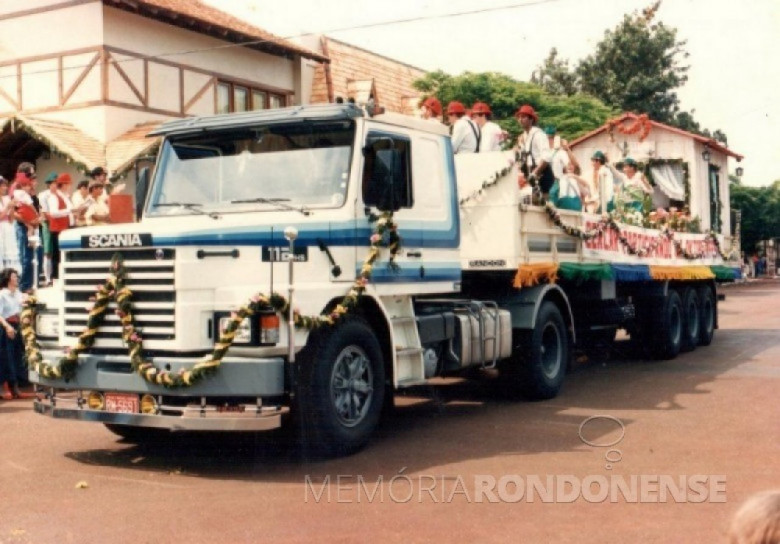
82,64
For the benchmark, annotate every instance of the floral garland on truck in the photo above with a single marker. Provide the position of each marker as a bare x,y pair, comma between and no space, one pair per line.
385,235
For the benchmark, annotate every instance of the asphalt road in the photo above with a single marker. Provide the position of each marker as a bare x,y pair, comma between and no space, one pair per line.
690,440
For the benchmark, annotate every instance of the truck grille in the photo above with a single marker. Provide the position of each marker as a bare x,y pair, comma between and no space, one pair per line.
150,276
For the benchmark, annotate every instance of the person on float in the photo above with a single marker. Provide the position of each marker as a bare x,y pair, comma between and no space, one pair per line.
43,198
603,183
465,134
431,109
534,152
491,135
634,186
571,191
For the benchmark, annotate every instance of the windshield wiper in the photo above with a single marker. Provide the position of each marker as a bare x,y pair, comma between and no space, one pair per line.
192,206
278,202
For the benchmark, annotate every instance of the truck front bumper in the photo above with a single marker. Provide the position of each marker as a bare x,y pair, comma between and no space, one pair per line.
68,405
242,395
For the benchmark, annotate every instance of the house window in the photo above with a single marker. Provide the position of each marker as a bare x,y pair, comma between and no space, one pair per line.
233,97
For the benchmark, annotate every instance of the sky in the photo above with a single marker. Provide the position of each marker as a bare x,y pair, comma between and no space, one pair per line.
733,82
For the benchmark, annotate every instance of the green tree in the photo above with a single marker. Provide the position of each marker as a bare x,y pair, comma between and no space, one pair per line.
760,207
636,67
555,76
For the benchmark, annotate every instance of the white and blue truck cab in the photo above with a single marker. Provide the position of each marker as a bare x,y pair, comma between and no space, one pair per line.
285,201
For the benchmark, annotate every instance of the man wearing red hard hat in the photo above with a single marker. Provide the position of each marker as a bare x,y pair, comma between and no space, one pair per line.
465,134
491,134
431,109
534,152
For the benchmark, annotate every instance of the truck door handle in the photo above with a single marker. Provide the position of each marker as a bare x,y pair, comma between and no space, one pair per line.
417,254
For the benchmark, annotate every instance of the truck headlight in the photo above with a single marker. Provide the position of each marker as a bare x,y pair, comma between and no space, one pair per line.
243,332
261,329
47,325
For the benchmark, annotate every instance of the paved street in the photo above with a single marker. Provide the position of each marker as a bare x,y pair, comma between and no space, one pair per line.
713,413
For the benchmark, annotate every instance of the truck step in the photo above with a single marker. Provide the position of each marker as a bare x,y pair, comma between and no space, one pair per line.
399,351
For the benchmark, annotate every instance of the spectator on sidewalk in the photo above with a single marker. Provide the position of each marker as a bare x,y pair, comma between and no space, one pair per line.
12,371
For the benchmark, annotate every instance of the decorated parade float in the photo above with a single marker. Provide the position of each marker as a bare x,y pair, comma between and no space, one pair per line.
311,261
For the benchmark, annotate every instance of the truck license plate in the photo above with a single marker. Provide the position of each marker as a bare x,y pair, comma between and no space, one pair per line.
122,402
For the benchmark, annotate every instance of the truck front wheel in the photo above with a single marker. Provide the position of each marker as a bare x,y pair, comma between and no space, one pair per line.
341,388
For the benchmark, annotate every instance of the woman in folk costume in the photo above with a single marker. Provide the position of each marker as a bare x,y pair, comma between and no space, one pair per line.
603,183
634,187
570,190
61,217
9,251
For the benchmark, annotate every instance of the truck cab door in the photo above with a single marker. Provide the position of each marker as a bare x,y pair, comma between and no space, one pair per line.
387,186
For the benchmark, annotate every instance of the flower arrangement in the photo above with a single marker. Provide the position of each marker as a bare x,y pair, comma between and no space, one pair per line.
639,125
385,235
673,219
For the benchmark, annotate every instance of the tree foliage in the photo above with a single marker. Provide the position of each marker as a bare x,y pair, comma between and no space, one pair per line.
760,207
555,76
637,67
572,115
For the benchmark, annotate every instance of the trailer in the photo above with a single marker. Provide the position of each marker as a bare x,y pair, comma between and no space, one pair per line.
305,264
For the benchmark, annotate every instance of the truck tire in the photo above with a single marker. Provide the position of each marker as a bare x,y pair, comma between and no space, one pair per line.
341,388
668,327
539,367
691,319
707,319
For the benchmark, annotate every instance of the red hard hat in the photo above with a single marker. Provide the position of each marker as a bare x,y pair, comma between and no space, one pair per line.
455,107
525,109
433,105
481,107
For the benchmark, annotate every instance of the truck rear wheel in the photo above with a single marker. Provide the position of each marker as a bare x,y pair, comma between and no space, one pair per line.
691,319
707,319
668,327
341,388
541,356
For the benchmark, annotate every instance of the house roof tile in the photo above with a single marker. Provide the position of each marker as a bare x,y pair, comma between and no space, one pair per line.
200,17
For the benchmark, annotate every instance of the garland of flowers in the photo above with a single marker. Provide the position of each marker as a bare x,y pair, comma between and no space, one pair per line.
640,124
487,184
385,235
576,232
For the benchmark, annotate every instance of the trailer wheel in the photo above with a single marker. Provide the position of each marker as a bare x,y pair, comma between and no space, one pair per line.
668,327
341,388
691,319
539,363
707,320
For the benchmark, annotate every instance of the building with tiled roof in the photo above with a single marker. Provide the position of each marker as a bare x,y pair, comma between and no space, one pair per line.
357,73
83,81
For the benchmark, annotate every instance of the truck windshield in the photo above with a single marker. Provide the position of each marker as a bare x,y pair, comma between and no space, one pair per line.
301,166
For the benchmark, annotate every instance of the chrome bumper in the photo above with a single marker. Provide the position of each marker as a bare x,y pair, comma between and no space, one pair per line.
192,418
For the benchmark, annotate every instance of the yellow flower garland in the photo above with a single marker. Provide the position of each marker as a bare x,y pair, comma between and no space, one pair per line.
385,235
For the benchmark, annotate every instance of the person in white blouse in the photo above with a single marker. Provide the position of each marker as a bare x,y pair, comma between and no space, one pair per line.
61,217
12,373
603,183
465,134
634,186
491,135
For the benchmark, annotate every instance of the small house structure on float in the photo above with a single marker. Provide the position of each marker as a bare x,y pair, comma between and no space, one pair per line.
687,170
